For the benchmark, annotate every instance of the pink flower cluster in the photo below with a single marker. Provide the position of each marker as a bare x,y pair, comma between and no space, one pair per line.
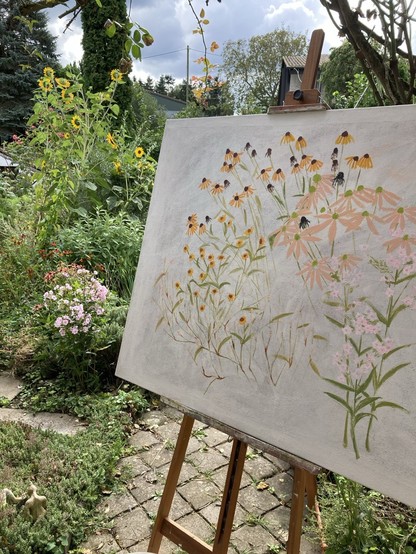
77,302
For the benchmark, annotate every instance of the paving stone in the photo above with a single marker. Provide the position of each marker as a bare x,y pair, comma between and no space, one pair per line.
225,448
168,431
282,485
252,540
212,512
198,526
307,547
213,437
135,465
259,467
208,460
145,490
102,542
60,423
143,440
199,493
116,504
154,419
9,385
254,500
132,527
277,523
178,509
157,456
220,475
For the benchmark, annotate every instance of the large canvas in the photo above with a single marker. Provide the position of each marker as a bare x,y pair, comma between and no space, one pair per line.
276,288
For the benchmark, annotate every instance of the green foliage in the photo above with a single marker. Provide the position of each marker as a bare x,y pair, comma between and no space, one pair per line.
26,46
250,67
357,94
79,328
107,244
357,520
103,53
71,471
80,163
150,120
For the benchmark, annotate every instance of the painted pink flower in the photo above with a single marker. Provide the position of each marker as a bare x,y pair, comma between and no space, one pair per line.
347,261
316,272
300,242
331,220
397,217
379,197
349,200
358,219
406,241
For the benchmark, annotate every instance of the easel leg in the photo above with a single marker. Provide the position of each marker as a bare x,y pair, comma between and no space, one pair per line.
303,481
171,482
229,499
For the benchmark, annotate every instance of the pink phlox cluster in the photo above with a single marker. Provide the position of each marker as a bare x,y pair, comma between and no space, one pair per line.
352,368
352,277
383,346
364,326
334,289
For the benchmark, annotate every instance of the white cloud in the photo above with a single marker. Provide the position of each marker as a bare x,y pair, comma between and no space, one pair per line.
274,12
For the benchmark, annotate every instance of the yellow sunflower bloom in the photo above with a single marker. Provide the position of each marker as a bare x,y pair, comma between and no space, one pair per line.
49,72
45,84
116,76
139,152
111,141
76,122
62,83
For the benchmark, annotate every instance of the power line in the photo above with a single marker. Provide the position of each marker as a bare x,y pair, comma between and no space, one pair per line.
164,54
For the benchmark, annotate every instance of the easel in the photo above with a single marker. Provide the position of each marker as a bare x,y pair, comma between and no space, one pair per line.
304,483
304,478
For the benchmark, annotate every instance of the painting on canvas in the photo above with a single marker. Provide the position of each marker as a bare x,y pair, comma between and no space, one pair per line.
276,288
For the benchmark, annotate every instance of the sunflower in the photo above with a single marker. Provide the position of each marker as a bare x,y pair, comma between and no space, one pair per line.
116,76
139,152
62,83
117,166
45,84
344,138
76,122
111,141
67,96
48,72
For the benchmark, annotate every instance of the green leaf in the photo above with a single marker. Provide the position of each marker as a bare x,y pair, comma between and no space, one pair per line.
280,316
80,211
136,52
395,312
88,185
111,30
127,45
159,323
391,372
183,317
387,404
314,367
340,401
366,402
335,322
137,35
98,2
339,385
320,337
222,343
115,108
380,316
394,350
197,352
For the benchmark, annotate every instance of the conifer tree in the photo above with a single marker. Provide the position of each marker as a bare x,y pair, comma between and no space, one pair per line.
26,47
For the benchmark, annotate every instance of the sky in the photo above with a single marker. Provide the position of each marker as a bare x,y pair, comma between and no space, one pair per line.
171,22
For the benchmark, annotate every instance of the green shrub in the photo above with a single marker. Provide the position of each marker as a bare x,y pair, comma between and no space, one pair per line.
79,327
109,244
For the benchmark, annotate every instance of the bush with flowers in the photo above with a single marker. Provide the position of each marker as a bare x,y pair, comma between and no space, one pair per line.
80,326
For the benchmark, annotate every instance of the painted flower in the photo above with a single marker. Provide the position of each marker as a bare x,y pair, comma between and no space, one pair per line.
177,285
377,197
406,242
191,228
245,255
217,189
287,138
248,190
330,220
300,143
202,228
344,138
262,242
202,276
249,231
236,158
138,152
316,272
296,168
278,175
222,218
205,183
231,297
111,141
349,200
239,243
202,308
352,161
299,243
305,160
365,162
237,200
315,165
264,174
397,217
76,122
226,167
228,154
358,219
202,252
242,320
346,262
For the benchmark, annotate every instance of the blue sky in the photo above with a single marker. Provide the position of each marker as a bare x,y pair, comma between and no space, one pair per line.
171,22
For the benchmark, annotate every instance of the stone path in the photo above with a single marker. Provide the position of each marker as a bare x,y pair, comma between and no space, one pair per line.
262,516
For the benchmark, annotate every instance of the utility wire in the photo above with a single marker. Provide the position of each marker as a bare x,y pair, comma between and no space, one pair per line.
180,50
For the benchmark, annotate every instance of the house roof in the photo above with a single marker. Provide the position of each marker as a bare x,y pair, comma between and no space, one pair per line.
299,62
169,103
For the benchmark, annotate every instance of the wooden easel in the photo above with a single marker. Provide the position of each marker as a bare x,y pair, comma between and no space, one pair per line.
304,478
304,483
